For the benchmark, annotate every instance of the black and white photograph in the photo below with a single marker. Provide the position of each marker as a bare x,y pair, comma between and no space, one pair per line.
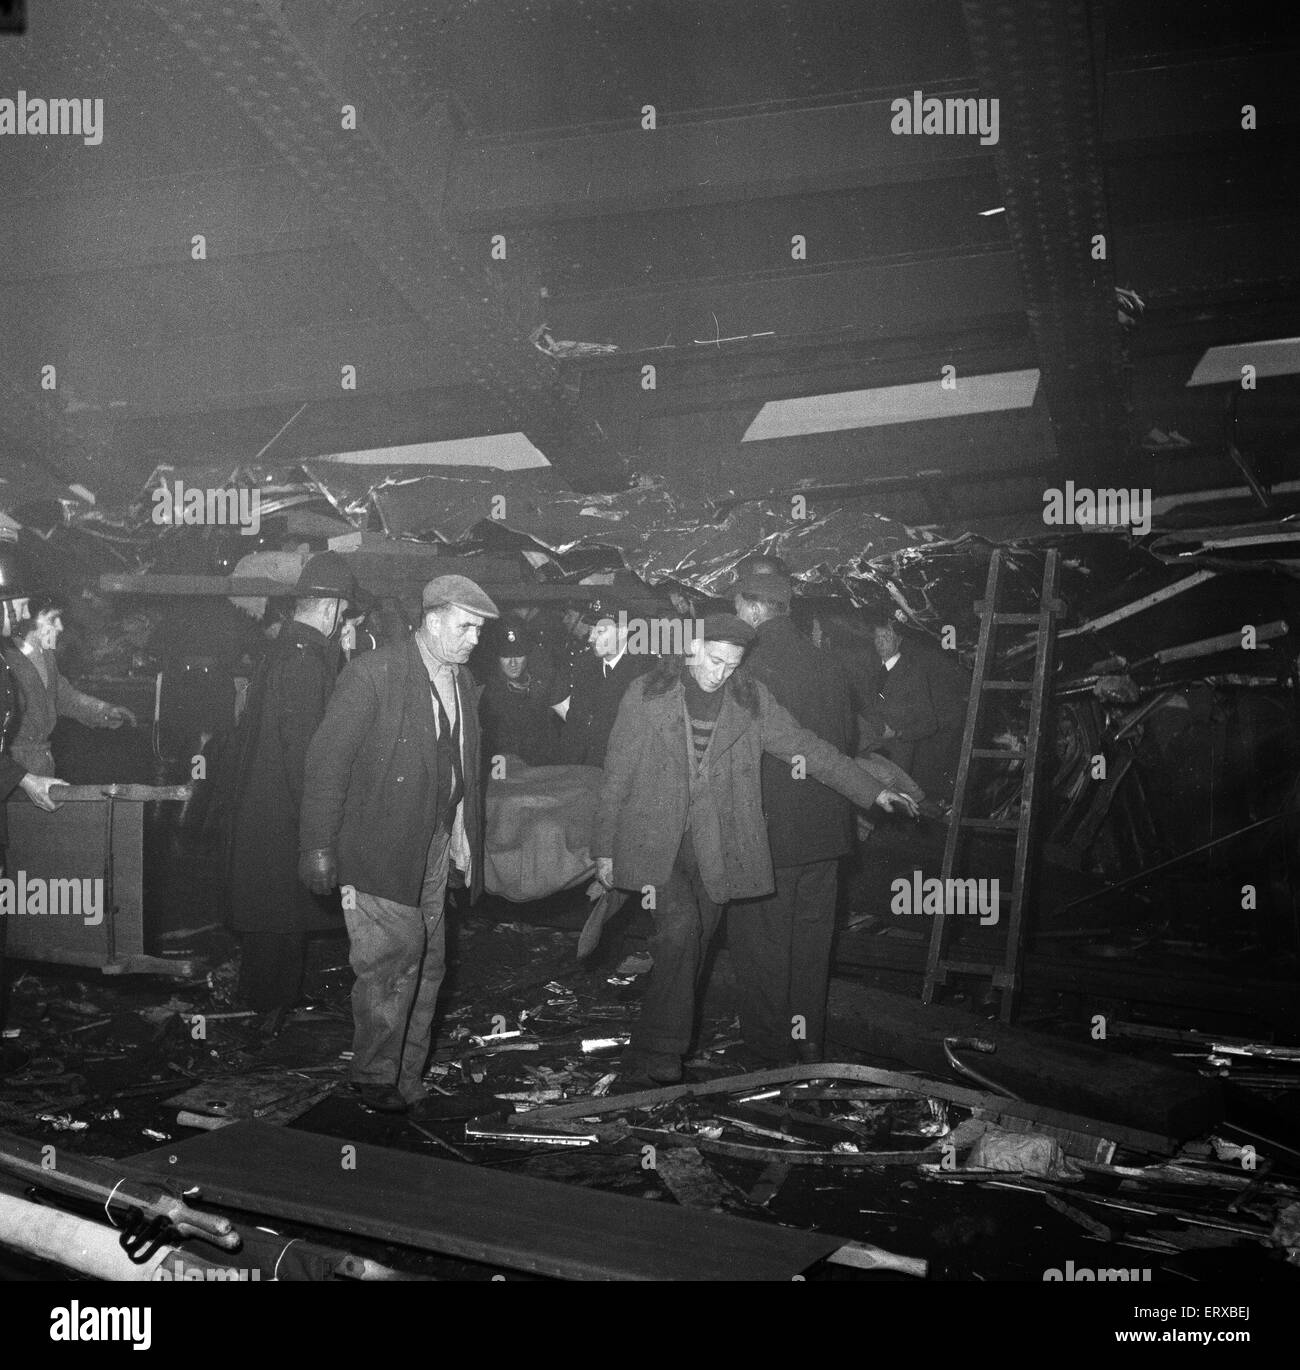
651,641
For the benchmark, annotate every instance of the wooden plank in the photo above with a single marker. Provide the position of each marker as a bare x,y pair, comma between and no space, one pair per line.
398,577
477,1214
139,794
256,587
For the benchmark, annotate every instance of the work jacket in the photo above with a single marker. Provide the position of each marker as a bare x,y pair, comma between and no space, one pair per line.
370,784
43,703
652,789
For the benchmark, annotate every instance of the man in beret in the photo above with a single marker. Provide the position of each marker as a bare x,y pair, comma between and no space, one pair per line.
392,802
680,817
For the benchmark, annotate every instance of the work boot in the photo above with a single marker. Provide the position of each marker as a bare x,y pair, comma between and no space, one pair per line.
664,1070
657,1067
382,1098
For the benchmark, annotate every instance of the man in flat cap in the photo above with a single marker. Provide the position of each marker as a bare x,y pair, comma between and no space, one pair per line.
680,817
286,701
392,802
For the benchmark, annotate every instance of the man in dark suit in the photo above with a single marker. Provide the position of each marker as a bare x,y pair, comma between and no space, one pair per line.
392,801
598,685
286,703
781,944
919,712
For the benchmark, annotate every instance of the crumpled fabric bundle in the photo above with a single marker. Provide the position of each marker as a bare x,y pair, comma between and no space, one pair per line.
539,825
1026,1153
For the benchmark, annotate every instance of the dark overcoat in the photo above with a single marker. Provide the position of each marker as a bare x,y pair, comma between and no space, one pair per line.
923,699
517,717
806,820
371,783
11,771
649,794
593,706
286,703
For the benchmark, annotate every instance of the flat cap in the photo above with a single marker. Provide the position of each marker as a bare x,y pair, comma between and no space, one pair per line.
727,628
460,591
766,585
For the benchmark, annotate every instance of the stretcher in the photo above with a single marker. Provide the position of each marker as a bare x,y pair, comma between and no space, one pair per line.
538,834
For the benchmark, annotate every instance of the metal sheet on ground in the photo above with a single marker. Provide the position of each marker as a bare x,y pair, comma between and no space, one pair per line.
477,1214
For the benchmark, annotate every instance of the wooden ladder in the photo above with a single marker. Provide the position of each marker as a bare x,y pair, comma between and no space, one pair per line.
1005,976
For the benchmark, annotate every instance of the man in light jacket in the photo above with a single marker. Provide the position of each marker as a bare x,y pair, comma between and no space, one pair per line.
680,818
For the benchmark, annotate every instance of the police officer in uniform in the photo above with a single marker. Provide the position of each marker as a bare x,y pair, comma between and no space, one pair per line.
516,704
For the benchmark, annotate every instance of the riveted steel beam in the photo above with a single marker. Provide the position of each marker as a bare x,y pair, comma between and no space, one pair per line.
1039,62
291,67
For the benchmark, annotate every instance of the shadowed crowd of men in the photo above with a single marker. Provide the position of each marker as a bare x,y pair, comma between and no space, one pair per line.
356,793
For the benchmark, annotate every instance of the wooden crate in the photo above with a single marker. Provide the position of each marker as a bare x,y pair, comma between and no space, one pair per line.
97,833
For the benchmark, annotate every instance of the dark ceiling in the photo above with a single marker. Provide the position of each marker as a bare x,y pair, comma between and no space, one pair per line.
522,118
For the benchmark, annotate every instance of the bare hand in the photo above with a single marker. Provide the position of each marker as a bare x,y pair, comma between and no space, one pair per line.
605,871
38,791
117,714
318,870
889,800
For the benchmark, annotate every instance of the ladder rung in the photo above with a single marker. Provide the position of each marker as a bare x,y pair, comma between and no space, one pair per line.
997,751
996,973
1015,618
1007,685
992,824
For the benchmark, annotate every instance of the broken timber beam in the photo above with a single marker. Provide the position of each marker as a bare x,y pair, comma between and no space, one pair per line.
985,1105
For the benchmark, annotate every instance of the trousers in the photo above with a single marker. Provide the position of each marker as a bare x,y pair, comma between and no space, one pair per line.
781,958
685,919
398,953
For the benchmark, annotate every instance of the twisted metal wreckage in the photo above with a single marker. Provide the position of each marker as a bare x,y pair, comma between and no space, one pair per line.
1169,653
